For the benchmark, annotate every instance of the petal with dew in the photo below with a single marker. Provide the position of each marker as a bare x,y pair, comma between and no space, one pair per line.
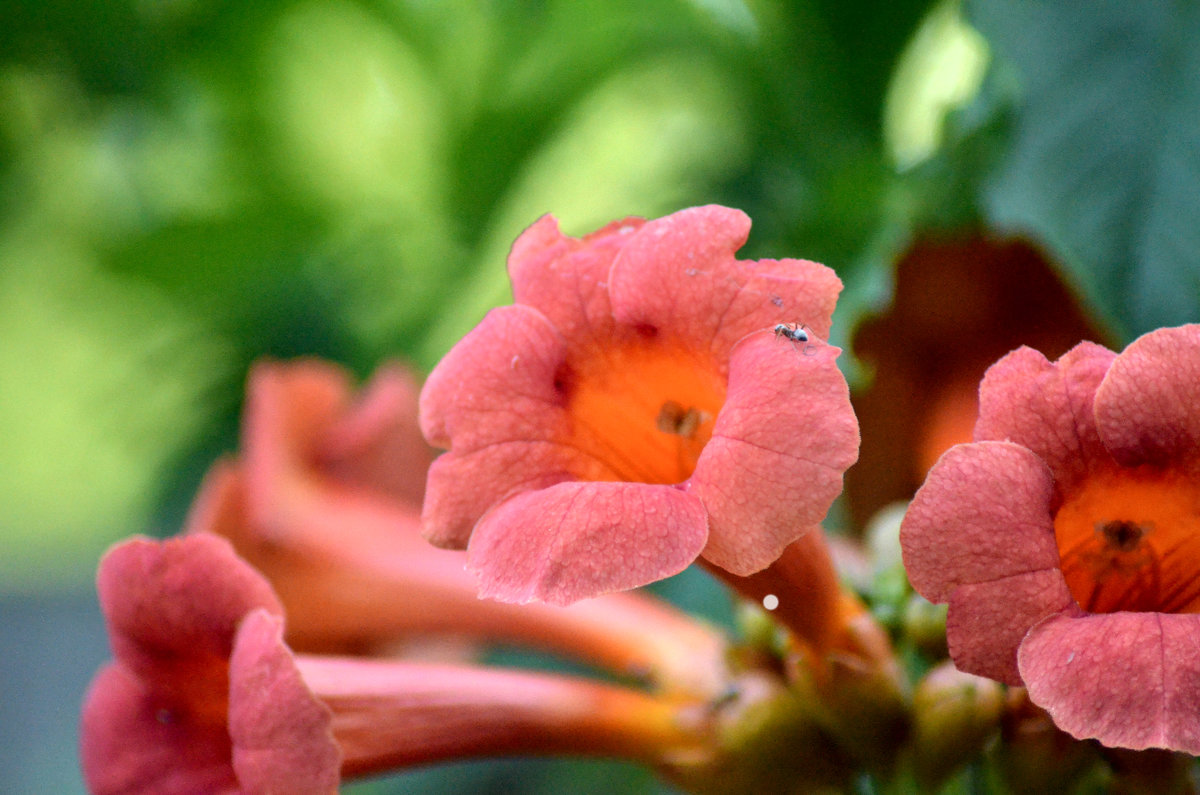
983,513
627,372
577,540
1047,407
498,384
679,273
780,445
1148,407
281,733
987,620
1130,680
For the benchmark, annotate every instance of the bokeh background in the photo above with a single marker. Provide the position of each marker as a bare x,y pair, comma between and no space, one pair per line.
189,185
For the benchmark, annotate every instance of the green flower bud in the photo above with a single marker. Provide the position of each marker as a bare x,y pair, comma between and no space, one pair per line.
955,714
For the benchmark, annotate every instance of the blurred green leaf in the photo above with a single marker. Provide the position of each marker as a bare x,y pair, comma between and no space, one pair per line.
1105,160
866,40
820,184
354,114
110,51
102,383
646,138
524,776
940,70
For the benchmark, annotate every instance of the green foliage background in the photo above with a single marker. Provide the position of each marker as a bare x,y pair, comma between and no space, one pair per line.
188,185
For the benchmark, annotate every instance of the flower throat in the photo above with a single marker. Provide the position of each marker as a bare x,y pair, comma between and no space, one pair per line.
1129,539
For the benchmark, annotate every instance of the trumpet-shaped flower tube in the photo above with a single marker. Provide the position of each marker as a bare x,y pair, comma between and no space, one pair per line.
204,696
1066,538
324,501
635,409
166,716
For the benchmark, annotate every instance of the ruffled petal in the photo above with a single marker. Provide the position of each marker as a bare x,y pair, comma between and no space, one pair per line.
1130,680
573,541
498,384
678,275
565,278
177,600
1047,407
620,374
132,741
304,433
288,408
984,513
1148,407
377,443
779,447
463,487
281,733
987,620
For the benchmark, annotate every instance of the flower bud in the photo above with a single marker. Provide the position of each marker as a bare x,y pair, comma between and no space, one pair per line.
924,625
954,715
768,742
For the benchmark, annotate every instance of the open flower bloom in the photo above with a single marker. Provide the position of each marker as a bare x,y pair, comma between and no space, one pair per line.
635,409
1066,538
325,500
204,696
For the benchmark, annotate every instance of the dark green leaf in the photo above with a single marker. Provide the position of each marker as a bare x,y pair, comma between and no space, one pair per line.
1105,159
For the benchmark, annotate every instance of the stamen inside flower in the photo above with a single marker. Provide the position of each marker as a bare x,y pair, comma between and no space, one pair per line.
1129,539
644,408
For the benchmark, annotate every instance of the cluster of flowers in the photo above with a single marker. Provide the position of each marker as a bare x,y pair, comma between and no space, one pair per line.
648,402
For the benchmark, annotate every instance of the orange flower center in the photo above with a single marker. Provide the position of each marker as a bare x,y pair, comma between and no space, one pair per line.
1129,539
643,409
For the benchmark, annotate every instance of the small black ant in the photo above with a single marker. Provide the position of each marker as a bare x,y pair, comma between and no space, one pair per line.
792,331
795,333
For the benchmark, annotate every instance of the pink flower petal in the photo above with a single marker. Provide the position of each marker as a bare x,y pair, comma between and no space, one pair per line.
1047,407
779,447
131,741
288,408
281,733
987,620
678,274
177,599
494,474
1148,408
577,540
566,278
376,443
158,717
498,384
1130,680
984,513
